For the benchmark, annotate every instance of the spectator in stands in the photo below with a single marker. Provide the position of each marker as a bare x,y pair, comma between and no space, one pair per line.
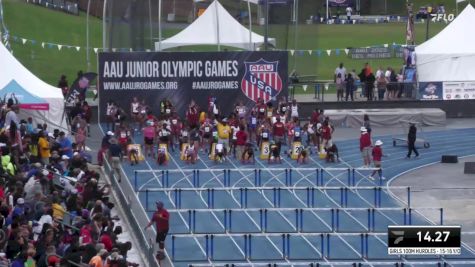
161,218
63,84
349,10
349,87
365,147
381,84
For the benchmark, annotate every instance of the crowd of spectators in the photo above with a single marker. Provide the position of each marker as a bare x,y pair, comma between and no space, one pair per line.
54,209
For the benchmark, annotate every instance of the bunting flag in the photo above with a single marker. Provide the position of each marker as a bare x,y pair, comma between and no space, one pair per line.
293,52
304,87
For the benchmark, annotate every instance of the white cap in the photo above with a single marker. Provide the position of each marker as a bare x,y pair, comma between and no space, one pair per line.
64,157
20,201
51,135
110,133
378,143
363,129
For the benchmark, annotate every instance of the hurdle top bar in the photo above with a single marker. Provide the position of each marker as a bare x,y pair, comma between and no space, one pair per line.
255,169
294,209
272,188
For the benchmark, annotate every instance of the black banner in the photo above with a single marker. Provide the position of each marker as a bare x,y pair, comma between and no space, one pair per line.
180,77
79,87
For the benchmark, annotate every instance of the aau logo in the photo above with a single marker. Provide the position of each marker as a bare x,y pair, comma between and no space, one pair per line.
261,80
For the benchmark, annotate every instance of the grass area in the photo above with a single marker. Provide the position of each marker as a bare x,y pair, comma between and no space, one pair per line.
44,25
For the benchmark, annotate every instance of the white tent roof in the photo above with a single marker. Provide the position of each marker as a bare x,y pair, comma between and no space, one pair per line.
215,26
450,55
12,69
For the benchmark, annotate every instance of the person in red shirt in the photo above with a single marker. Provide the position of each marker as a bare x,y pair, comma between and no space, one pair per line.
161,218
365,147
192,114
241,141
377,155
326,133
279,131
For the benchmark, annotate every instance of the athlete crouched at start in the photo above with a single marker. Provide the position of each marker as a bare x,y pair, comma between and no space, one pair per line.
162,156
247,156
332,154
220,153
274,156
302,156
190,154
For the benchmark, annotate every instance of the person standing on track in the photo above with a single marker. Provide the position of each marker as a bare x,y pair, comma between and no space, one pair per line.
411,141
377,155
365,147
161,218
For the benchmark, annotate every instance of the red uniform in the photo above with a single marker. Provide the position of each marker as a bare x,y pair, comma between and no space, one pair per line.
279,129
161,218
365,141
326,132
377,153
241,138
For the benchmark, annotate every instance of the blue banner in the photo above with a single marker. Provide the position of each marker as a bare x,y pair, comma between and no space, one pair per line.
430,90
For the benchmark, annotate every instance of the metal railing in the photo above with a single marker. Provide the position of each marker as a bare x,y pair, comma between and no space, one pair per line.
326,91
68,6
134,212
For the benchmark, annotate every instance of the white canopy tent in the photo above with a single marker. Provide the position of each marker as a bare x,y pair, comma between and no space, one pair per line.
215,27
450,55
12,69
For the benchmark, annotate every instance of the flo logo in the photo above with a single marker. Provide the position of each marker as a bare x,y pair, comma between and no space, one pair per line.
442,17
261,80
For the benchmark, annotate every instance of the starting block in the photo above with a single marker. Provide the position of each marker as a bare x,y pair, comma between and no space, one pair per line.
265,151
296,149
165,147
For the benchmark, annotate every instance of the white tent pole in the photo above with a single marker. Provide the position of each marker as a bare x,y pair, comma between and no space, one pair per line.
327,13
250,25
159,25
104,13
456,7
217,23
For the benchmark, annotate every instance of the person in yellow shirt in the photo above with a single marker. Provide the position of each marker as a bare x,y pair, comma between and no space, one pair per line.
44,148
58,210
224,132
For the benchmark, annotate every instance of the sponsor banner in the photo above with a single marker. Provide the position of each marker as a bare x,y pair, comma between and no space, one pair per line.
227,77
430,90
373,52
458,90
340,3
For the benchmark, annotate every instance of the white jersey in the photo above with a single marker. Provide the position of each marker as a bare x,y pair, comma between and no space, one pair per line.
294,111
135,107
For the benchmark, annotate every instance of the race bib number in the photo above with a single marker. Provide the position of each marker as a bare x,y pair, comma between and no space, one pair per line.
207,129
174,121
254,121
265,135
167,111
